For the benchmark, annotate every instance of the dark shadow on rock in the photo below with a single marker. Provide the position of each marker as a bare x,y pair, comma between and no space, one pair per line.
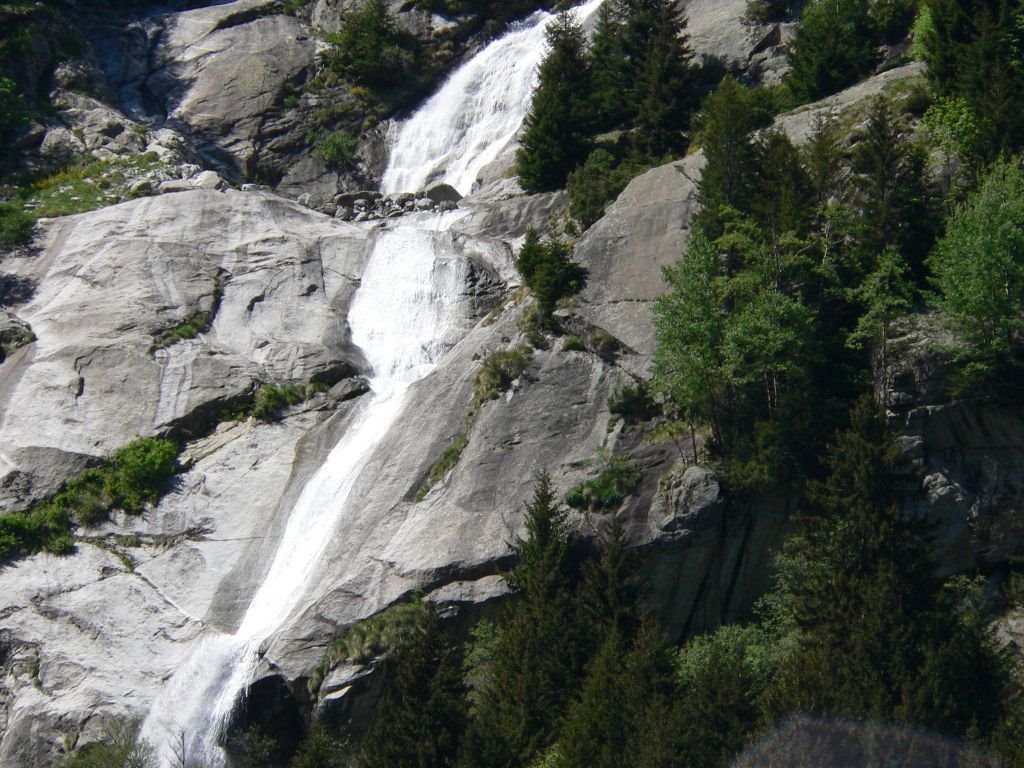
15,289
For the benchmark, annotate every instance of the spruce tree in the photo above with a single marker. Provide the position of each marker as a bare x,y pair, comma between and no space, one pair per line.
865,581
891,193
973,49
782,198
724,127
610,70
664,95
835,46
629,683
537,656
558,126
421,719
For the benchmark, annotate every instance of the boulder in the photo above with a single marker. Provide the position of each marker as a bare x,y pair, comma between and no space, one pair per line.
98,126
645,229
443,193
800,124
207,180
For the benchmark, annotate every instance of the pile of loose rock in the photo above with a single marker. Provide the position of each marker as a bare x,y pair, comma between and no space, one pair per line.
373,206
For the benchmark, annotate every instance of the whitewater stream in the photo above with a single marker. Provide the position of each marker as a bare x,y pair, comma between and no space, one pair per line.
475,115
404,318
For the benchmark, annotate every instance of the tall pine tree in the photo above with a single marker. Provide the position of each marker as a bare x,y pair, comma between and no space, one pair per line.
421,719
664,97
537,657
558,126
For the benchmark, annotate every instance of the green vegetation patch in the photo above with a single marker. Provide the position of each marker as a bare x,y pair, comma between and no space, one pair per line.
338,148
87,184
271,400
444,464
193,325
498,372
633,402
618,477
83,185
132,478
370,638
548,271
15,223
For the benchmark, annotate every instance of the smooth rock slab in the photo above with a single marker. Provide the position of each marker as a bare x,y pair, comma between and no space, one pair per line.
112,281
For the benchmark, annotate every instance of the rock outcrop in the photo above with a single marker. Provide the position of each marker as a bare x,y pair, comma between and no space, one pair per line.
272,277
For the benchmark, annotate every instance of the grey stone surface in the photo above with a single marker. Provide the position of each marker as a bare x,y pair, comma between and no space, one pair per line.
219,70
643,230
719,34
112,281
801,123
99,633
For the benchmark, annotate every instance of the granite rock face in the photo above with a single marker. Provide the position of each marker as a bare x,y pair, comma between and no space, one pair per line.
272,278
218,73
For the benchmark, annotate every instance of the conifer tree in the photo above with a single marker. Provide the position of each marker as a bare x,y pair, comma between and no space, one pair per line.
627,683
782,199
865,583
973,49
891,193
610,70
835,46
537,656
724,126
558,126
422,716
664,97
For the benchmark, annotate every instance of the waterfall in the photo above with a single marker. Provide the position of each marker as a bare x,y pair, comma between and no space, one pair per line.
475,115
403,317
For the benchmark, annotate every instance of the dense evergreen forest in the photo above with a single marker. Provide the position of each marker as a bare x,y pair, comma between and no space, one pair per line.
774,338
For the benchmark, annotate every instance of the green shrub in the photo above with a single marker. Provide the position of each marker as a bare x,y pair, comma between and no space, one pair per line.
43,528
596,183
497,372
633,403
189,328
133,477
372,637
138,472
15,224
271,400
547,271
119,746
369,49
573,344
13,113
337,148
618,477
445,462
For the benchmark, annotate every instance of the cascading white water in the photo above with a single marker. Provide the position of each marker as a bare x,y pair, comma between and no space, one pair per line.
476,113
403,318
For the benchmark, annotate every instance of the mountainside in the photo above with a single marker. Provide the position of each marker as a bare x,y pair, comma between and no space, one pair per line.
211,298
